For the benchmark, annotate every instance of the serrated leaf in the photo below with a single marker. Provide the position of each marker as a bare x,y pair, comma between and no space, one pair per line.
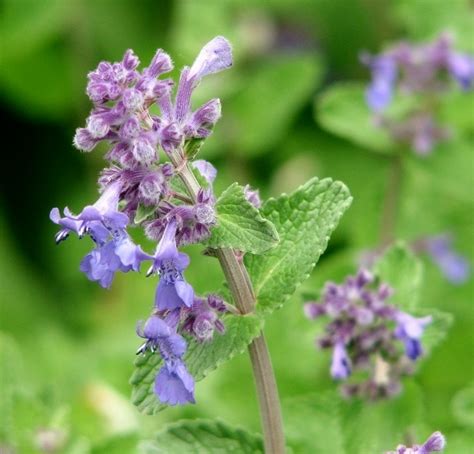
203,437
200,358
399,268
143,212
240,225
304,220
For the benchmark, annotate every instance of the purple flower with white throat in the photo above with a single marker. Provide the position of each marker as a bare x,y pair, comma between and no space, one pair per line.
341,364
410,330
461,67
93,218
173,384
102,221
173,291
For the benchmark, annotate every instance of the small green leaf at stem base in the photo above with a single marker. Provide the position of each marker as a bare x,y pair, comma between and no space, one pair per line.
240,225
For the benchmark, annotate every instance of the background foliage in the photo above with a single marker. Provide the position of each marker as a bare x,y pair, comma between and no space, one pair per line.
67,346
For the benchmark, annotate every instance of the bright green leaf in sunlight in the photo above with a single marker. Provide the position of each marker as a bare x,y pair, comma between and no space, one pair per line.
240,225
203,437
200,358
304,220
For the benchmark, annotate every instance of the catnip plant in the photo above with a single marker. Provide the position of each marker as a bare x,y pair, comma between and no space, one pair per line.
364,334
421,74
153,182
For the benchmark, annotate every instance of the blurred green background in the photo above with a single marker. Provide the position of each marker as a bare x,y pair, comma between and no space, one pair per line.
68,346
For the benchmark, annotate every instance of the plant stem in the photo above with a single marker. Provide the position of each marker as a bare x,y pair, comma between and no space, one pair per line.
390,203
242,291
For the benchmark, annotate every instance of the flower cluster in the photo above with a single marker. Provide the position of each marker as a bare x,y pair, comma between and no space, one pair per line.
435,443
365,333
138,190
423,71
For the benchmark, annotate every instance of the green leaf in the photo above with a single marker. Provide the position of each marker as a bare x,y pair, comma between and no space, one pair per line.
203,437
412,16
342,110
463,406
399,268
327,423
376,427
304,220
143,212
437,330
200,358
117,445
313,423
192,147
240,225
282,85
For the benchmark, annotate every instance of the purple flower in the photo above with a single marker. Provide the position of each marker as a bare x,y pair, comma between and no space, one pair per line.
93,218
206,169
410,329
215,56
420,70
461,67
435,443
253,196
454,266
179,122
384,74
173,291
174,385
203,318
102,221
341,364
364,333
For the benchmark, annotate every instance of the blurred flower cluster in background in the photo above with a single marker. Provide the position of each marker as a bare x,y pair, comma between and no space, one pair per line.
295,105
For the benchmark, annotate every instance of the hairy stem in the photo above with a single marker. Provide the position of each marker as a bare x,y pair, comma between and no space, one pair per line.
390,203
242,291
